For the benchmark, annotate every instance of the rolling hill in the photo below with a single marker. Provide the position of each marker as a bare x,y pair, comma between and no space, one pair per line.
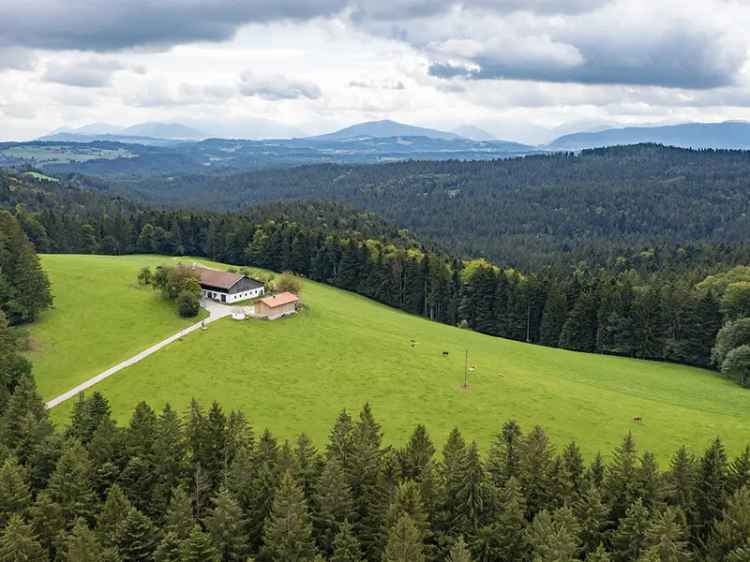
727,135
384,129
296,374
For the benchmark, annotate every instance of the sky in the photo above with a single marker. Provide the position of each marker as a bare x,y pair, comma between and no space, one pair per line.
523,70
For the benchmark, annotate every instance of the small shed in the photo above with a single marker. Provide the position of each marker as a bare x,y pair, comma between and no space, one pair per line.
276,306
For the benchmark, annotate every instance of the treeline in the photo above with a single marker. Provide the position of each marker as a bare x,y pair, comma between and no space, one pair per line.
203,486
647,304
526,212
24,288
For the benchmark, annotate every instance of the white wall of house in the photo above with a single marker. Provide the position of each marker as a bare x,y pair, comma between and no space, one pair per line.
236,297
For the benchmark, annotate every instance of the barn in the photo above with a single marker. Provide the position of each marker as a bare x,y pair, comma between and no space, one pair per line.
228,287
276,306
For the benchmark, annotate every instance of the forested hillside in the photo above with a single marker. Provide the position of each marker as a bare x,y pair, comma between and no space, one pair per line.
648,304
526,212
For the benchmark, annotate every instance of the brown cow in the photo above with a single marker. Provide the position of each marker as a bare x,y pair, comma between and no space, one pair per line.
637,419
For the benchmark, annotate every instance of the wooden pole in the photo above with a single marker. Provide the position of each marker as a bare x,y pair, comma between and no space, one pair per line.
466,370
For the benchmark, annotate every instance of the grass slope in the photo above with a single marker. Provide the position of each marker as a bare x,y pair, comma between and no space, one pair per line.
296,374
101,317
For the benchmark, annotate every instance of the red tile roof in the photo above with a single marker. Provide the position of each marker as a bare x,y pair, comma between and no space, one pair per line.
279,300
218,279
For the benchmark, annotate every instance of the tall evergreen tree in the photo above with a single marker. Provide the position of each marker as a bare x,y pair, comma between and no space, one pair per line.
19,544
288,531
404,542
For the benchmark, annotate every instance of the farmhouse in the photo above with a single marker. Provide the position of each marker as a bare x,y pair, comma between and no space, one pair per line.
276,306
224,286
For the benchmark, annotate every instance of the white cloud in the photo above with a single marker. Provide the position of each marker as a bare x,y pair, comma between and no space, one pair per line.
277,87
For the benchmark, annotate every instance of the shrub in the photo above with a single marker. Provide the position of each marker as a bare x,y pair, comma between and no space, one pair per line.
144,276
188,304
288,282
737,365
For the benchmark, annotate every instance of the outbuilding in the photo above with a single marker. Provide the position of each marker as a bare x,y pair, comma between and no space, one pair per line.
228,287
276,306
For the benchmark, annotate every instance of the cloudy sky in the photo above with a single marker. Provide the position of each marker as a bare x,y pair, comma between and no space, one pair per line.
521,69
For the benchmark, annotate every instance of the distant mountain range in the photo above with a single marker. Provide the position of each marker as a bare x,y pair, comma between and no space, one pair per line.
384,129
726,135
473,133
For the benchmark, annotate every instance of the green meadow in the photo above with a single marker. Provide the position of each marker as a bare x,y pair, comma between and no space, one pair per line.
294,375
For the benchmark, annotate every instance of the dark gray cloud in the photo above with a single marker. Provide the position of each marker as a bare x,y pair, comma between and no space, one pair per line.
104,25
277,87
89,73
680,59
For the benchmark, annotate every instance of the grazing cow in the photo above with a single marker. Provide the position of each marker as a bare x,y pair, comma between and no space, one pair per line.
445,354
637,419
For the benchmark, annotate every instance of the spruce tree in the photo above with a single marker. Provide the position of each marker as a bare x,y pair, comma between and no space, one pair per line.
334,503
82,545
739,471
70,484
18,543
168,549
592,513
459,552
621,481
287,534
48,522
113,515
504,457
345,545
666,537
15,493
710,490
198,548
628,539
225,525
417,454
553,537
554,317
600,554
404,542
535,470
138,539
732,530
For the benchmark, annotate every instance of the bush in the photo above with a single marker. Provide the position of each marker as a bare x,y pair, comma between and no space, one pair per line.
188,304
144,276
737,365
288,282
732,335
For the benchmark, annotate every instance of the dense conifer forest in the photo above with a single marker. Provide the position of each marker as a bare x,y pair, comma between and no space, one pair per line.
652,303
525,212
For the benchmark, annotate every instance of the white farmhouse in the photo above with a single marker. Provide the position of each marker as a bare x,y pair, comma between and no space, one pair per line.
224,286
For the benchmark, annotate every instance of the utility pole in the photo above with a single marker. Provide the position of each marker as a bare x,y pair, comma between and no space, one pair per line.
466,370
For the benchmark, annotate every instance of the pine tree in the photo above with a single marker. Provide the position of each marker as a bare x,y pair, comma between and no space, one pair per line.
666,537
504,458
592,513
630,535
579,331
535,470
82,545
600,554
407,499
168,549
169,457
680,482
138,539
739,471
113,515
621,481
509,523
48,522
345,545
15,493
553,537
732,530
70,484
19,544
553,320
404,542
287,534
459,552
710,490
225,525
198,548
334,503
417,454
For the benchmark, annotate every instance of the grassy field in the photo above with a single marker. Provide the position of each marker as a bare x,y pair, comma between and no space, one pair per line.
296,374
101,317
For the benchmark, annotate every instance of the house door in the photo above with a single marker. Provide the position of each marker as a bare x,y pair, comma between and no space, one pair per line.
223,298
